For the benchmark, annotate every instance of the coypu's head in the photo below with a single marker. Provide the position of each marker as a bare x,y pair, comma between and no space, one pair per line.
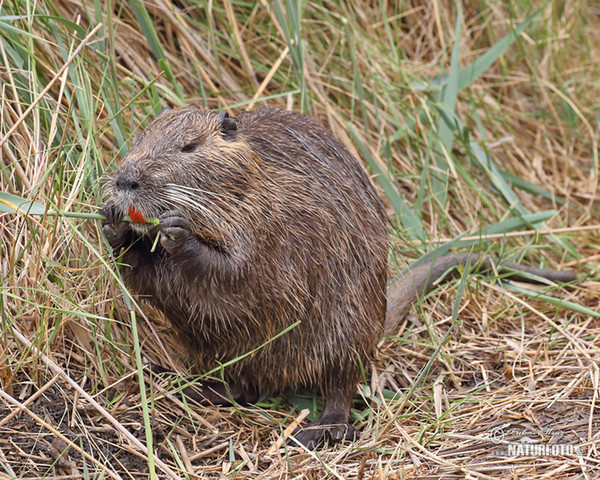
191,160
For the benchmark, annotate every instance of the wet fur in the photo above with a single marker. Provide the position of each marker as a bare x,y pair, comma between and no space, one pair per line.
266,220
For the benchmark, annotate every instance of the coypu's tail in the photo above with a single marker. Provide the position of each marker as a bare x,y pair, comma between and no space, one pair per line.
419,280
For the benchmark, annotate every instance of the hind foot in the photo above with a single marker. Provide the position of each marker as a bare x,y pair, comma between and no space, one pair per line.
214,393
333,427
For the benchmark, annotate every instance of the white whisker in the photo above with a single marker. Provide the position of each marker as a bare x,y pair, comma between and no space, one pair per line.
196,191
187,198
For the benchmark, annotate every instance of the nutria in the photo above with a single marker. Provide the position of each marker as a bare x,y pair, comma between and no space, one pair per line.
265,220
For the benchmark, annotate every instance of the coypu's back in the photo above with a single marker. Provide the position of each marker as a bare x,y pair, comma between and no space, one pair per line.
295,232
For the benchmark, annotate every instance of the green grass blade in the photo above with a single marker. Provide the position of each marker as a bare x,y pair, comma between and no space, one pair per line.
441,343
446,124
143,399
10,203
147,27
484,161
289,20
531,188
411,223
467,75
450,92
530,221
471,72
558,302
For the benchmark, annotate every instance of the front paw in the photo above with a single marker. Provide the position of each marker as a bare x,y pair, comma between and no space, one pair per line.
114,229
174,230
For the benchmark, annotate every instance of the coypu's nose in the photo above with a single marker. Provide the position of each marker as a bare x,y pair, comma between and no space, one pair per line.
125,182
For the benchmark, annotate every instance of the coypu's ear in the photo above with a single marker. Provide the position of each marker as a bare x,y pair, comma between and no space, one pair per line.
228,126
166,109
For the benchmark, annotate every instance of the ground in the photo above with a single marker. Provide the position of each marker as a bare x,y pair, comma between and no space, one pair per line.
479,128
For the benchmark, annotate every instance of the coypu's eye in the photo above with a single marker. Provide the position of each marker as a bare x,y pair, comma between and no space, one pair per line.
189,147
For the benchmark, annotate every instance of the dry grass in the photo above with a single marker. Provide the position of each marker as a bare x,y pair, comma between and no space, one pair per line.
446,384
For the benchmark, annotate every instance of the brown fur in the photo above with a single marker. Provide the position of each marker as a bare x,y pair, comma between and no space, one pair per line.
265,221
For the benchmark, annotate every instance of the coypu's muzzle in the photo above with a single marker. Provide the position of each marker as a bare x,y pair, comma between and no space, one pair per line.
126,182
126,189
130,191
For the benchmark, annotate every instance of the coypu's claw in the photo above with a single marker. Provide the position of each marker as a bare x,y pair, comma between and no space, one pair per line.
114,229
333,427
175,230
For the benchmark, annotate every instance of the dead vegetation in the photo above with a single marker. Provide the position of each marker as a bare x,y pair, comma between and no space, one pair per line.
514,166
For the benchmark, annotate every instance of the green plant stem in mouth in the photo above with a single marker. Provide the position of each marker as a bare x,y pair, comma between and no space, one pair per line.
153,220
91,216
10,203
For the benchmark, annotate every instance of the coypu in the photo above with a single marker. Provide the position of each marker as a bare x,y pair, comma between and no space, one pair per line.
265,220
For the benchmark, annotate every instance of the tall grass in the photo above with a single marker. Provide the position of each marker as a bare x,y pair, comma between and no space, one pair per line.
476,123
